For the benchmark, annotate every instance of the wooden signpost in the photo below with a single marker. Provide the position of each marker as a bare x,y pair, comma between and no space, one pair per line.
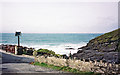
18,34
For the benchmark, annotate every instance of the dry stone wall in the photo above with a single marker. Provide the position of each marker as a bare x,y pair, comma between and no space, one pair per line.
81,65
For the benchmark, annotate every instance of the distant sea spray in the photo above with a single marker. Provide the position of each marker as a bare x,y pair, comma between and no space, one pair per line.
57,42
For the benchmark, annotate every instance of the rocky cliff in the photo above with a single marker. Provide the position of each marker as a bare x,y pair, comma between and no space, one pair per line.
105,43
104,47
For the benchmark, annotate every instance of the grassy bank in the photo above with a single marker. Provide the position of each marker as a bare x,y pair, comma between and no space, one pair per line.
64,68
48,52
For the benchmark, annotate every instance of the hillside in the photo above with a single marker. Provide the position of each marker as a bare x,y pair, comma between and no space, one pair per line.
105,43
104,47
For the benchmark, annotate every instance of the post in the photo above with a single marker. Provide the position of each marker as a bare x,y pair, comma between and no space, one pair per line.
18,34
16,50
18,41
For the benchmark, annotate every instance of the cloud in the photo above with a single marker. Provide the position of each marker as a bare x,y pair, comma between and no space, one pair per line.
59,17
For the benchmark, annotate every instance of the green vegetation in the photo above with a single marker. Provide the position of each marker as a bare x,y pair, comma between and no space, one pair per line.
64,68
46,51
50,52
107,37
110,40
24,52
28,51
40,51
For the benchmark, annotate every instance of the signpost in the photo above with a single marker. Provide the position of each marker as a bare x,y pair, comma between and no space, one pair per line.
18,34
18,49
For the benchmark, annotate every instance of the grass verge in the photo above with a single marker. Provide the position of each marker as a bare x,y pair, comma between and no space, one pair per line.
65,68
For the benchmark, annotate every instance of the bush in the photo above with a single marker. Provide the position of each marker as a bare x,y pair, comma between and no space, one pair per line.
24,52
20,51
46,51
29,52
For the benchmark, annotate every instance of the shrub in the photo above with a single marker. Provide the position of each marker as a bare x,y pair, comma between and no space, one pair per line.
29,52
24,52
20,51
46,51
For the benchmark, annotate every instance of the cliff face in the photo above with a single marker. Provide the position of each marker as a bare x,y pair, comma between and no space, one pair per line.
107,42
105,47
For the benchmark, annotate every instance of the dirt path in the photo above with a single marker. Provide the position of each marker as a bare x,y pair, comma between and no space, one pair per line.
20,64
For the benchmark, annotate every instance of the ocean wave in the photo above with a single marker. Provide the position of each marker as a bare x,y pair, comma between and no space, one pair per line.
58,48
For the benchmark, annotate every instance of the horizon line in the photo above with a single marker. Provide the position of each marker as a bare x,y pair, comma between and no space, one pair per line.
59,33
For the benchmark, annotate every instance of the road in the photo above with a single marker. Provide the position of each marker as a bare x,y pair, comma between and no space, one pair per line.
11,63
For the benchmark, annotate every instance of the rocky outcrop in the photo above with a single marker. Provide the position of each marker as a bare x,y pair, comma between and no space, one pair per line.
105,47
105,43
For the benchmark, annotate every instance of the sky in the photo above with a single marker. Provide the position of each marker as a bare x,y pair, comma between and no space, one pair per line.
51,16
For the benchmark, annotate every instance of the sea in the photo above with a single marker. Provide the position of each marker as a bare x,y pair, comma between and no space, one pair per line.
61,43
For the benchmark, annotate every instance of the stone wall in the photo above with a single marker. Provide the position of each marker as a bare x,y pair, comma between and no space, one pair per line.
17,50
81,65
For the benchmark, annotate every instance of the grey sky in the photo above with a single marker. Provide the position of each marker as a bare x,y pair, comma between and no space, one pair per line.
59,17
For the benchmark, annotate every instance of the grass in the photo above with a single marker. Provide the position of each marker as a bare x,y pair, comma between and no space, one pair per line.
64,68
48,52
111,36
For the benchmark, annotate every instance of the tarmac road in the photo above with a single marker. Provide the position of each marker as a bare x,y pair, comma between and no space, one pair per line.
11,63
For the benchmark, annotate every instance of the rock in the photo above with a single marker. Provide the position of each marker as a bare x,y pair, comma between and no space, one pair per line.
80,51
81,47
69,48
65,56
105,47
108,42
